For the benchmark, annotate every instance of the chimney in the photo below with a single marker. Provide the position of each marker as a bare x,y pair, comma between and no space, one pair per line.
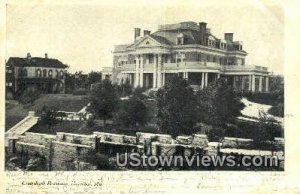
202,28
137,33
228,36
147,32
28,56
46,55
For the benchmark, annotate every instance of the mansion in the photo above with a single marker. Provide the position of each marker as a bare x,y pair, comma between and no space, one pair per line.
44,74
188,50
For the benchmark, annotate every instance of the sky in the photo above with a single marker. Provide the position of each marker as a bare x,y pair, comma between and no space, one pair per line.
82,34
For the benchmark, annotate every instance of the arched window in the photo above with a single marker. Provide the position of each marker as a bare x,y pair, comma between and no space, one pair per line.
38,73
50,73
61,74
44,73
57,74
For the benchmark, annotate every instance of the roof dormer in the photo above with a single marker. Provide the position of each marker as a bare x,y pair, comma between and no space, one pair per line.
180,39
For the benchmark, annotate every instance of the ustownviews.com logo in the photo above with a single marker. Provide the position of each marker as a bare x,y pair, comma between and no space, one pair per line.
141,160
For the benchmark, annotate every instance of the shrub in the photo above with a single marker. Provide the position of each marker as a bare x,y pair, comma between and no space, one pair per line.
277,110
215,134
80,91
90,122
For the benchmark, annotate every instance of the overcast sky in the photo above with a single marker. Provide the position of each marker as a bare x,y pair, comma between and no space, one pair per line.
82,35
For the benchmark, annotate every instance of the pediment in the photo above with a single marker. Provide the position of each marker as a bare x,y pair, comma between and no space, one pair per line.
146,42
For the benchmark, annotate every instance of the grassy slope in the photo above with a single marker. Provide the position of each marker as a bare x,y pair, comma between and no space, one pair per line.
15,112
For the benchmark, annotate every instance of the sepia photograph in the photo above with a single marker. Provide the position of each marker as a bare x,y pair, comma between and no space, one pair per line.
146,87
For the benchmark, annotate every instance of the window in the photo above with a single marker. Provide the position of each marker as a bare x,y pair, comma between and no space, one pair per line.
214,59
57,74
50,73
180,39
199,57
61,74
44,73
38,73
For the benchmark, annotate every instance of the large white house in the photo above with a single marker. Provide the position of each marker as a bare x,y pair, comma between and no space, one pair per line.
189,50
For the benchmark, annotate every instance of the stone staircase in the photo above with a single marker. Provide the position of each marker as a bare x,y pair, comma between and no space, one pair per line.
21,127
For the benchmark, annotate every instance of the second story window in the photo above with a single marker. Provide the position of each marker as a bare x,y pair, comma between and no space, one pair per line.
61,74
44,73
199,57
208,58
50,73
180,39
214,59
38,73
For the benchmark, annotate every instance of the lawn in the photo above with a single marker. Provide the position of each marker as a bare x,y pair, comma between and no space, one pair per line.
64,102
15,112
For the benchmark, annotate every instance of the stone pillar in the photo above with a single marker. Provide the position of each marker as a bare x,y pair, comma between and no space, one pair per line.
253,83
218,76
137,72
142,71
187,75
206,79
159,60
267,84
260,84
155,72
202,80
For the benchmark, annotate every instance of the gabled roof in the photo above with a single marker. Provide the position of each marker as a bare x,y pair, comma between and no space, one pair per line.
157,40
35,61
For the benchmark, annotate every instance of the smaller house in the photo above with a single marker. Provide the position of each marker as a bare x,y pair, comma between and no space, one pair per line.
44,74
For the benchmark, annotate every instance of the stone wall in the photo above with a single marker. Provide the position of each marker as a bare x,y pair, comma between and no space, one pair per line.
64,154
233,142
63,150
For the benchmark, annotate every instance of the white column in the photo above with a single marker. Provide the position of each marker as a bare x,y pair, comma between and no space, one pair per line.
234,83
243,82
202,80
155,72
130,78
267,84
187,75
137,72
159,60
260,84
141,71
206,79
163,79
218,76
253,83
